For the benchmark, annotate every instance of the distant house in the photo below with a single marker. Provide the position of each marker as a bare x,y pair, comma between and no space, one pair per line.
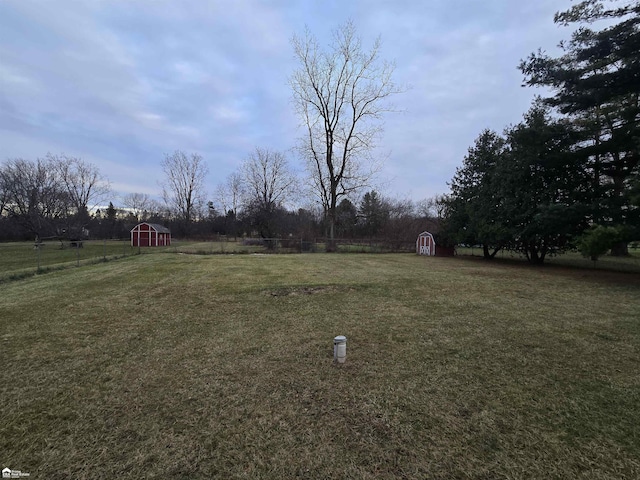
425,244
150,235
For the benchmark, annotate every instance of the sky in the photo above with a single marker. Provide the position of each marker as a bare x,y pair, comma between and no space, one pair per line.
121,83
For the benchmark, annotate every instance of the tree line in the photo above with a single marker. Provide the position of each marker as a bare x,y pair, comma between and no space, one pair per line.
52,196
68,198
568,175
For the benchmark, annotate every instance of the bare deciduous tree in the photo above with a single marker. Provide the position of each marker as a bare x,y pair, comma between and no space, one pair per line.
340,95
139,204
4,189
229,197
183,189
84,185
268,185
433,207
52,196
229,194
34,197
267,178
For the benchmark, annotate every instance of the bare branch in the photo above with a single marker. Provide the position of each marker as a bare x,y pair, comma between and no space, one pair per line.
339,94
183,188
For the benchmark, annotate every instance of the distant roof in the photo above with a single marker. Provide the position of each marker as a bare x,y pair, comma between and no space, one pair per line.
157,227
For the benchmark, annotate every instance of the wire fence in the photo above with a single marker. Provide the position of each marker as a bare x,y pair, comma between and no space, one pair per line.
22,259
239,245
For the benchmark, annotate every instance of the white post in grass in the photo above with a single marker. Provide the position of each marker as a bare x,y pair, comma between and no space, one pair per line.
340,349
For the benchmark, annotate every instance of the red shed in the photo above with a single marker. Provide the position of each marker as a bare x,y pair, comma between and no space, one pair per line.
150,235
426,245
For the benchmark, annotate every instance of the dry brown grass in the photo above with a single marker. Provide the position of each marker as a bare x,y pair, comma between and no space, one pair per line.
179,366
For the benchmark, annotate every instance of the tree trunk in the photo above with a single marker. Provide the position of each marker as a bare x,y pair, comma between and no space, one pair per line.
331,242
620,249
535,256
489,255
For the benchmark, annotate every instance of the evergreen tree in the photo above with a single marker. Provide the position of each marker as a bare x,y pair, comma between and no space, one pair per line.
542,187
372,214
346,218
595,83
473,215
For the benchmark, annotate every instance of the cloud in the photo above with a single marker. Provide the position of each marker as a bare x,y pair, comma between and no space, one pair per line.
124,82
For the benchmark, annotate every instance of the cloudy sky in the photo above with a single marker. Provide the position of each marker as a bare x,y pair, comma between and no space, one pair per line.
120,83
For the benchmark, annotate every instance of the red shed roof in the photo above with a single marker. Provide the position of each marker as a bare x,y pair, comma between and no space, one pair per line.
157,227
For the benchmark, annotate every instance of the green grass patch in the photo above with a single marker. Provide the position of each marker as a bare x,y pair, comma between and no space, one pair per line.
23,259
219,247
220,366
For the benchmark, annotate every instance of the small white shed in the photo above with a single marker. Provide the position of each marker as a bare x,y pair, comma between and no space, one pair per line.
426,245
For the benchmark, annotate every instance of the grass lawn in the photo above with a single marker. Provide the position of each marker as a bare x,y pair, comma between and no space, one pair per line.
23,259
220,366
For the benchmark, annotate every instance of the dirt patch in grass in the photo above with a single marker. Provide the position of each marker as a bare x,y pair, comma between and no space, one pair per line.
307,290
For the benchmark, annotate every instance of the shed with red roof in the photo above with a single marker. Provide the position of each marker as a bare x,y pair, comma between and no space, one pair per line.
150,235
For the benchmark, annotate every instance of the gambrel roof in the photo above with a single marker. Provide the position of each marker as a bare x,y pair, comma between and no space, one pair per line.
156,226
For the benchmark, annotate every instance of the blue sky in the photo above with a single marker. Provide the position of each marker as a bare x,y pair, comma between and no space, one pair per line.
120,83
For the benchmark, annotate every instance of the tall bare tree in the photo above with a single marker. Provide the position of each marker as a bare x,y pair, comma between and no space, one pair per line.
140,204
183,189
34,197
84,185
340,95
268,185
229,194
267,177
